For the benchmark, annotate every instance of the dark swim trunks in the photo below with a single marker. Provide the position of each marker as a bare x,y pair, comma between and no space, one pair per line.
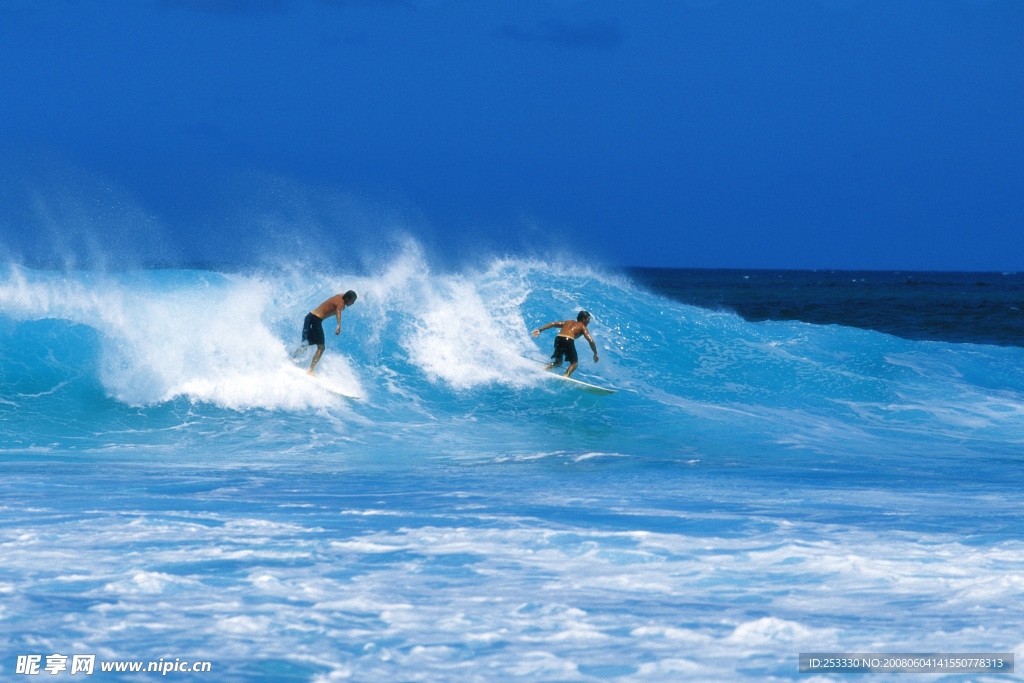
313,330
565,347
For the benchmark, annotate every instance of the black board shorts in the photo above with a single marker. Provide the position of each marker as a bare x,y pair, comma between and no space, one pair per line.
565,347
313,330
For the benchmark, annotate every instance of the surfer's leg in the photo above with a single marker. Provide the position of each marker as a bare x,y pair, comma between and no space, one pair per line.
570,355
557,356
299,351
316,357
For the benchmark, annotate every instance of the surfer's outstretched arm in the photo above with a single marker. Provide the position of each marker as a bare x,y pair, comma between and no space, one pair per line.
547,327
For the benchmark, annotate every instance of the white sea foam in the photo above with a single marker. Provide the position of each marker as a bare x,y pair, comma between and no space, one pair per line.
204,341
539,602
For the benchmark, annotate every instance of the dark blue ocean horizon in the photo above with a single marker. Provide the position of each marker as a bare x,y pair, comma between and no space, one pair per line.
950,306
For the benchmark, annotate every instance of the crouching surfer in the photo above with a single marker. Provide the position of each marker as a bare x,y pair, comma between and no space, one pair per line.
312,326
565,342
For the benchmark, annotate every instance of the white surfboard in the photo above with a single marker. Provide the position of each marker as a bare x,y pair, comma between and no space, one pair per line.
584,386
322,382
578,384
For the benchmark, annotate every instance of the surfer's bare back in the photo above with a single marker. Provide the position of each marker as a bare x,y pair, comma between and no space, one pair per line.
565,342
312,326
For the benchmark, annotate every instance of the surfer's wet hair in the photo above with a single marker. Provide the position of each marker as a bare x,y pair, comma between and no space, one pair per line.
583,315
349,297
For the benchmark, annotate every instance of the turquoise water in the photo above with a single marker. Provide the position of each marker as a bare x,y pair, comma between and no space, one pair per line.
173,489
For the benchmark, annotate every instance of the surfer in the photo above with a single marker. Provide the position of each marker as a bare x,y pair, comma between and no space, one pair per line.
312,326
565,342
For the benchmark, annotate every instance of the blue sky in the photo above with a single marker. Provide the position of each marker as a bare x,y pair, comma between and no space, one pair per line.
693,133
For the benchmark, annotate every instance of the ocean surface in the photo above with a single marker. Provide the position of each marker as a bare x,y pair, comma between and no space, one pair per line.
794,462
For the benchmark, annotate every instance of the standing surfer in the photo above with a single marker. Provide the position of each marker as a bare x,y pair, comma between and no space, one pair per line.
312,326
565,342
